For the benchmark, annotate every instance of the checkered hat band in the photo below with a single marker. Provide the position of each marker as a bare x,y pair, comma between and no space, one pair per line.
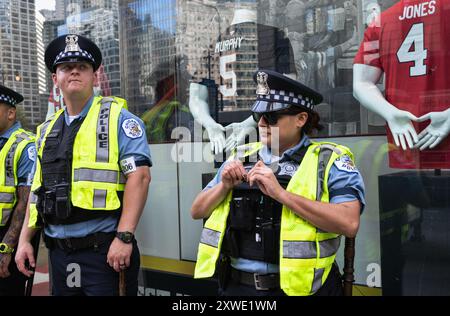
7,99
82,53
282,96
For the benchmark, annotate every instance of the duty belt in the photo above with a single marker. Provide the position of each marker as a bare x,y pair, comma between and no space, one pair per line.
72,244
262,282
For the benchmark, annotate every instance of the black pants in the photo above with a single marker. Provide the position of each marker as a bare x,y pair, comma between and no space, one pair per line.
14,285
96,276
331,287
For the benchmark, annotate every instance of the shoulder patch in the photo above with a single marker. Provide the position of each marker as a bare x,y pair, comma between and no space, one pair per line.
344,163
31,153
132,128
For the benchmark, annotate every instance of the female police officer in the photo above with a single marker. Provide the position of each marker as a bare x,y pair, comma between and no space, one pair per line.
274,226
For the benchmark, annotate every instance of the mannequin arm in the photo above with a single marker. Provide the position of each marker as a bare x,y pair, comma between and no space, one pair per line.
434,133
198,105
239,131
367,93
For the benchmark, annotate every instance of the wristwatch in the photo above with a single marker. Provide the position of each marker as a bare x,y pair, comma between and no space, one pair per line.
126,237
4,248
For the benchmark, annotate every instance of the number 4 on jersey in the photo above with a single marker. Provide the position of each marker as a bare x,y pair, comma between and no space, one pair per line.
417,54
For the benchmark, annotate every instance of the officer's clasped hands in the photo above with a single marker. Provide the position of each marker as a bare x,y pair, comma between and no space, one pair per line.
234,174
265,179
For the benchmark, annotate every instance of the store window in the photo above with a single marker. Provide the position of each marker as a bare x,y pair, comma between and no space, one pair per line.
171,48
312,41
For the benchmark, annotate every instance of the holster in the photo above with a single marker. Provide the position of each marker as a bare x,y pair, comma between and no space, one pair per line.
40,193
242,215
223,271
56,201
63,205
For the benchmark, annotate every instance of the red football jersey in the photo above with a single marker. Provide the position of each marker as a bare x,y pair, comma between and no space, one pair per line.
410,42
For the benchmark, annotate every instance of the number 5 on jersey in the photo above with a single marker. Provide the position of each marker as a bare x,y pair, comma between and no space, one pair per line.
227,75
418,54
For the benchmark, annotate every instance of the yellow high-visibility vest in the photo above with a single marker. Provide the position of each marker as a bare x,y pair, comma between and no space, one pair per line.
96,175
9,159
306,252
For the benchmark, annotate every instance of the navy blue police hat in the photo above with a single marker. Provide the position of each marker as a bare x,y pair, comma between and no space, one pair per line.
72,48
277,92
9,96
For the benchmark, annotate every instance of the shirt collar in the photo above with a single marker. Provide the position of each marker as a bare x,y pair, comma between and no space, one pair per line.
83,112
267,157
11,130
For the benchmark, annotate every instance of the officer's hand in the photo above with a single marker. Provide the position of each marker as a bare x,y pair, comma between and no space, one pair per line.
264,177
119,255
216,137
5,259
24,253
233,174
436,131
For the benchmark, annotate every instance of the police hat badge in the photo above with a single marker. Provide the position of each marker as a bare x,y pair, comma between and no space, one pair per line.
72,48
263,87
72,44
276,92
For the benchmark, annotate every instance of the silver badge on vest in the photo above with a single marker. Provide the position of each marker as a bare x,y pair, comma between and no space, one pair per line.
288,168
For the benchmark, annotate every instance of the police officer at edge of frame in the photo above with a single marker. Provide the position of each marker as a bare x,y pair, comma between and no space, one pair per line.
90,182
274,226
17,153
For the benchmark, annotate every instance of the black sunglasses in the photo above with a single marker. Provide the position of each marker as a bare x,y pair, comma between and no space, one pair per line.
272,117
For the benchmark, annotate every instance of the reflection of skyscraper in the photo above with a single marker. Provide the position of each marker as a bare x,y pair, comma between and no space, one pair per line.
18,64
40,19
65,8
59,10
49,33
101,25
147,41
199,25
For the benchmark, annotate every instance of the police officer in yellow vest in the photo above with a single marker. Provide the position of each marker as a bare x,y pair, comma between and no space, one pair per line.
90,182
17,154
276,209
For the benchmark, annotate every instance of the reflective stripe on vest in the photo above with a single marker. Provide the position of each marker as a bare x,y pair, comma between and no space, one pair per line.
33,198
306,253
86,174
210,237
317,281
9,159
43,131
308,249
96,174
102,152
6,197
